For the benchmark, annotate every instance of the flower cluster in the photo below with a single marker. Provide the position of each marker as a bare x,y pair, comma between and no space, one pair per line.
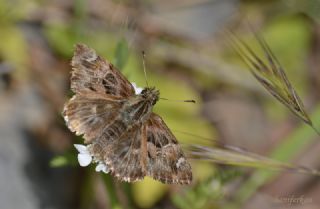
85,158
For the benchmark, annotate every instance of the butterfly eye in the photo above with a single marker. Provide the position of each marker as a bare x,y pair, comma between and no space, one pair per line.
154,102
144,91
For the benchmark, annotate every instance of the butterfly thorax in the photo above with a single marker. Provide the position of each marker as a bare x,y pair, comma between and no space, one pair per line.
138,108
151,95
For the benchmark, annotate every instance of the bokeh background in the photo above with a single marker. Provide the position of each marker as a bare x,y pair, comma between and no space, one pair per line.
187,57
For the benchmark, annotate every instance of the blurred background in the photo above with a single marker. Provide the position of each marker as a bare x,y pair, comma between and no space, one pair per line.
187,57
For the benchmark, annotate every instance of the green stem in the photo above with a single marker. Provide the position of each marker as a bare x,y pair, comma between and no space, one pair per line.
114,201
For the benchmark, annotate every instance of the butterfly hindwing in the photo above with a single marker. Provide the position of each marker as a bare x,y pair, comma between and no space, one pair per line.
149,149
123,156
165,159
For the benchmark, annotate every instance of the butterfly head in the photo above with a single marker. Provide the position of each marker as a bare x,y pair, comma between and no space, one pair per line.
150,94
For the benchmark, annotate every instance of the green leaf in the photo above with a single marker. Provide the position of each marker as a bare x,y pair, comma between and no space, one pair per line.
59,161
68,158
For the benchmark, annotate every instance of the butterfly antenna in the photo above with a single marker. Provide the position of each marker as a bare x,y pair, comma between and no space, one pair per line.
174,100
144,67
145,75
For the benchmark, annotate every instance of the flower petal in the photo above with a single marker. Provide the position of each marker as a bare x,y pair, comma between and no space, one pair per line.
106,169
84,159
137,89
100,167
81,148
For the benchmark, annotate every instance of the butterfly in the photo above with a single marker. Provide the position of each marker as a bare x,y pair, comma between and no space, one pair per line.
122,133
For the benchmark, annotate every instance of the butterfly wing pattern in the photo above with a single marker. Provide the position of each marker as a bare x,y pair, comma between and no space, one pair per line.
99,89
118,125
91,73
166,161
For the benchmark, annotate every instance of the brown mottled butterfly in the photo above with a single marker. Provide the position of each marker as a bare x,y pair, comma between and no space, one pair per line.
115,117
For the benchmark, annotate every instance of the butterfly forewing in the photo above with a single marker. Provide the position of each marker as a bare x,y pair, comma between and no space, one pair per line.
90,115
119,126
91,73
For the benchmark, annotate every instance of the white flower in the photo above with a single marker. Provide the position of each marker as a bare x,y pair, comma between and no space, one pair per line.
84,156
102,167
137,89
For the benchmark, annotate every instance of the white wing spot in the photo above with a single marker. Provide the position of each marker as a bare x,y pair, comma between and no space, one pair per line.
93,58
180,161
